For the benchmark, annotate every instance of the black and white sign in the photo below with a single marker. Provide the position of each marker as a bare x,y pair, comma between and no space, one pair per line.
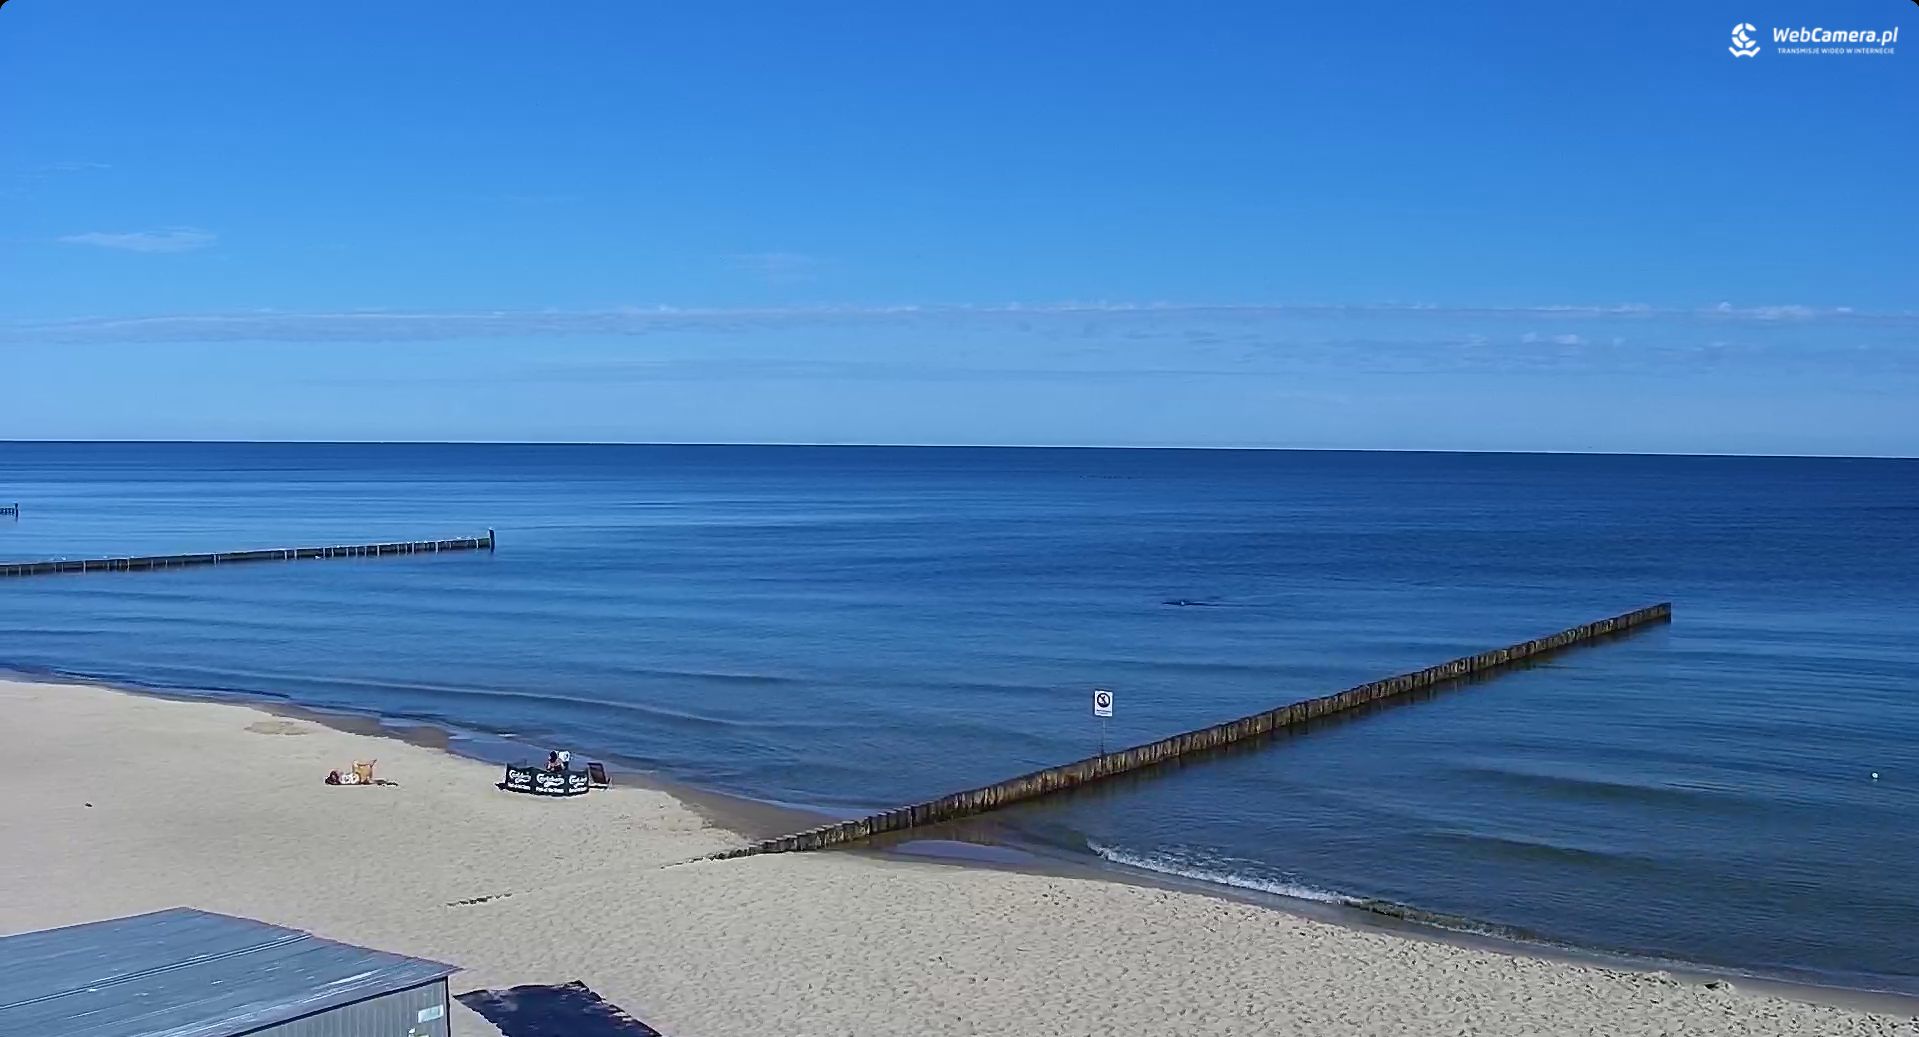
541,782
1102,702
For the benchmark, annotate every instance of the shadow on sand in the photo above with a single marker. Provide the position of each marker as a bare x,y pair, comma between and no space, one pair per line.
546,1010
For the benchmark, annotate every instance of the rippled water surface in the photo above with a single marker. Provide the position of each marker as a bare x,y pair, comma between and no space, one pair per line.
858,627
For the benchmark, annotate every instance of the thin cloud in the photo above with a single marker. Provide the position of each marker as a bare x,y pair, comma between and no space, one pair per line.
24,180
173,239
1774,312
1102,321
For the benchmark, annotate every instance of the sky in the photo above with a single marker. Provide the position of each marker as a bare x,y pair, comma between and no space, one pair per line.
1376,226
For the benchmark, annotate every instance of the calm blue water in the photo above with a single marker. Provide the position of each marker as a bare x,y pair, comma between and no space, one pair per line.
854,628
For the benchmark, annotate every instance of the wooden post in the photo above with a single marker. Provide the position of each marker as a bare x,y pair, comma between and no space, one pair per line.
122,562
1106,765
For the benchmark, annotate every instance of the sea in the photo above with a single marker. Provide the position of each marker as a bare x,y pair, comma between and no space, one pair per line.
847,629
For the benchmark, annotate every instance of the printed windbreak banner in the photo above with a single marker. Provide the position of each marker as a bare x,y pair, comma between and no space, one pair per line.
541,782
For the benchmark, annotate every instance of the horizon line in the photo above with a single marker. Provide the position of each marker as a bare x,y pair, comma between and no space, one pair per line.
947,446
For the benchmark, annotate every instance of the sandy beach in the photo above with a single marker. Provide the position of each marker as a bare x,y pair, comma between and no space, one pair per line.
157,803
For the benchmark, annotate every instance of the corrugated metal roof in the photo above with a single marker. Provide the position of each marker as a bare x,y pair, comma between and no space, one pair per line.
185,973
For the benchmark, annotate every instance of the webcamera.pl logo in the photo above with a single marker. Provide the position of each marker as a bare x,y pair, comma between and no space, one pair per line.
1819,40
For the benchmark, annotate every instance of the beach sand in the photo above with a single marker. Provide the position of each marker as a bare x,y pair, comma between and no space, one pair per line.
157,803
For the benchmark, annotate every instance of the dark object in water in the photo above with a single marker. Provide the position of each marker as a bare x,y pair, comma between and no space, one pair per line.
546,1010
1190,603
141,562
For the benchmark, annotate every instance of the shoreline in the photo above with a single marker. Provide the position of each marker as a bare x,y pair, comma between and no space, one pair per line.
947,847
1026,859
747,818
220,806
742,815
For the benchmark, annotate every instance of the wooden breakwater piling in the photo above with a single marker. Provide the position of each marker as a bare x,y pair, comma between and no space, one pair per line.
1107,765
271,554
10,510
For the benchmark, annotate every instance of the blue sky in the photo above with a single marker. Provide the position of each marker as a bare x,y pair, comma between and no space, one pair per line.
1378,226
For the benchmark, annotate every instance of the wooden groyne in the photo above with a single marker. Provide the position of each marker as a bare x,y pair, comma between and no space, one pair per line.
10,510
1099,768
270,554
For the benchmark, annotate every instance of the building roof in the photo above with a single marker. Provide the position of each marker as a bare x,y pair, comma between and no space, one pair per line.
186,973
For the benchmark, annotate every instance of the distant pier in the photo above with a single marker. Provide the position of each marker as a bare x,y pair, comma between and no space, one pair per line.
10,510
1108,765
138,563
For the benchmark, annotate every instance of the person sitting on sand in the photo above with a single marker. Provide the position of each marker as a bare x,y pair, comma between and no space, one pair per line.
361,774
553,764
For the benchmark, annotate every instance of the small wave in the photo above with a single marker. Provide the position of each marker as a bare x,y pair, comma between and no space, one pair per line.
1238,874
1679,793
1564,851
1220,875
247,684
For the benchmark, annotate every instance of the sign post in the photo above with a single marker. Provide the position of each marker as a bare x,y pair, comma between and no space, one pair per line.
1102,708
